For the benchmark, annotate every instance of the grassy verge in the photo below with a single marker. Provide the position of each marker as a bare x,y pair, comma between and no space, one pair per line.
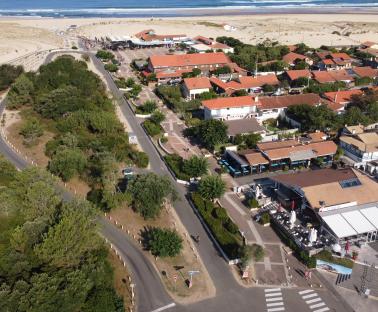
327,256
175,163
222,227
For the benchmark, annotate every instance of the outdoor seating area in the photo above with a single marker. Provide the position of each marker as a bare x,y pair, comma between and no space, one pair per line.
304,236
234,164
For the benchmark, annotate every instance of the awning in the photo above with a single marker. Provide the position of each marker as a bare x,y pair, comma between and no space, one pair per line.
237,158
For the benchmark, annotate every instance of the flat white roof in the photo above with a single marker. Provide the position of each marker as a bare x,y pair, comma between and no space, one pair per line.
339,225
371,214
358,221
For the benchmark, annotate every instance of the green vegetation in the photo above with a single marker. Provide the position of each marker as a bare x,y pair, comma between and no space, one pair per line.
8,74
211,132
31,131
220,224
50,252
222,71
321,88
152,124
196,166
162,242
252,203
265,218
244,141
148,107
20,92
211,187
250,253
185,169
111,67
326,255
149,191
363,81
89,140
105,55
194,73
135,89
171,96
246,55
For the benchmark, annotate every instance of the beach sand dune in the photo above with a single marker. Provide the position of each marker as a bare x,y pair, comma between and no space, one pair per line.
22,36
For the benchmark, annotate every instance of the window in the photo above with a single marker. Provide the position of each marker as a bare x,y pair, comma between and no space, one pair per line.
350,183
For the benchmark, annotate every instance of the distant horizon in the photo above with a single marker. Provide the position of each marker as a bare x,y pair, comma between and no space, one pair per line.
167,8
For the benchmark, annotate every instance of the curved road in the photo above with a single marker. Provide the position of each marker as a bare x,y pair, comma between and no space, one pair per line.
151,295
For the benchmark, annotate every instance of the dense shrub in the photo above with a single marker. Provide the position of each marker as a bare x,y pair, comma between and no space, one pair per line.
105,55
265,218
326,255
8,74
152,128
176,163
229,241
162,242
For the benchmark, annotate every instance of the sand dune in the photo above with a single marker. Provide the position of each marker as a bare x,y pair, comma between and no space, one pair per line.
22,36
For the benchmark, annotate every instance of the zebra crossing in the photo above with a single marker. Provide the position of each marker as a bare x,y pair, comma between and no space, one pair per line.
314,302
274,300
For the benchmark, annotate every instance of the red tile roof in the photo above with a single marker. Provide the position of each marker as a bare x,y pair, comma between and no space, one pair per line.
342,56
366,71
172,74
197,83
295,74
323,148
332,76
189,59
291,57
228,102
272,102
342,97
258,81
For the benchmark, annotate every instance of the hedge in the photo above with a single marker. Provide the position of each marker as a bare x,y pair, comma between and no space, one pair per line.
223,229
152,128
327,256
175,163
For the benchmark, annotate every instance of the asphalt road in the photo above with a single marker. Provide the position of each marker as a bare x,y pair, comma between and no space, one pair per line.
150,292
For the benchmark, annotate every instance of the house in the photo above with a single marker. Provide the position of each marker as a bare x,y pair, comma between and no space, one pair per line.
247,83
192,87
168,76
149,35
365,71
298,73
334,61
291,58
343,201
332,76
369,45
203,61
360,147
230,108
205,44
243,127
340,99
275,106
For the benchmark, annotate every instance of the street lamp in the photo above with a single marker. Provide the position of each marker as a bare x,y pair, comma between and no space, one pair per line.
191,273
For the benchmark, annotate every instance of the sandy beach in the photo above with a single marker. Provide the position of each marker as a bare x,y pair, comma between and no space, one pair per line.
20,36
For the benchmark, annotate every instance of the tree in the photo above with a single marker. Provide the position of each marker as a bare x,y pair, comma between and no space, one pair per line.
67,163
267,88
8,74
111,67
222,70
300,64
31,131
248,253
241,92
149,192
212,187
61,247
196,166
157,117
20,93
162,242
105,55
212,132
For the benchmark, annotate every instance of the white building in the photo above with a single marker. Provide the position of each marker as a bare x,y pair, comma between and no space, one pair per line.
229,108
193,87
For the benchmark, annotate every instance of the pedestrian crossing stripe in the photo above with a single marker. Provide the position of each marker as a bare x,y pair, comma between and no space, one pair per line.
273,299
274,304
318,305
313,300
276,309
272,289
321,310
273,294
305,291
310,296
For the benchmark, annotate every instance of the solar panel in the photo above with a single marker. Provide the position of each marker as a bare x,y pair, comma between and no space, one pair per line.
350,183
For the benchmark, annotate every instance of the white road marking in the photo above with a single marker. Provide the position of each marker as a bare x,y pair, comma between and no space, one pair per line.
273,299
310,296
305,291
272,289
273,295
313,300
275,304
168,306
321,310
276,309
318,305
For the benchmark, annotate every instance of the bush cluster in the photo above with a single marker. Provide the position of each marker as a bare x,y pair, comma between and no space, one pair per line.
222,227
326,255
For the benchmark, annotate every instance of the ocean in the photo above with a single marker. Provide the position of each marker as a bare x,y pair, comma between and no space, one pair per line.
156,8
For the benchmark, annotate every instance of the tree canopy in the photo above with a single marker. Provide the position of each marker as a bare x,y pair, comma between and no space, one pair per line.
149,192
211,132
50,252
212,187
162,242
